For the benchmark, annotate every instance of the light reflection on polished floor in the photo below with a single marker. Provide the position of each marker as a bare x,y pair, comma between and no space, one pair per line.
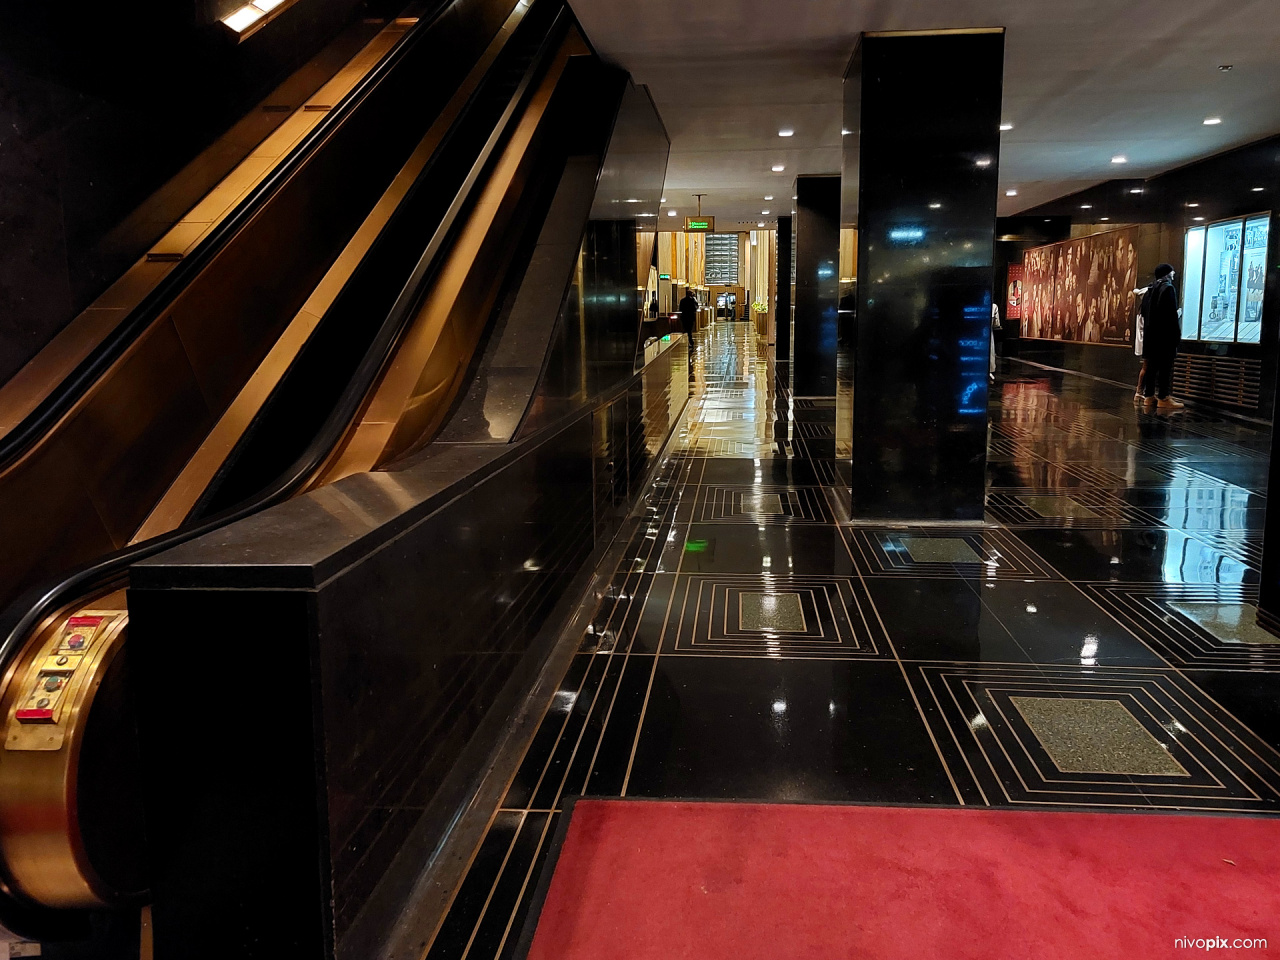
1090,646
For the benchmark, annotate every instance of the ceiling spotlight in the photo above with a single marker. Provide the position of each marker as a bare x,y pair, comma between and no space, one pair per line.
671,213
1258,189
983,162
764,213
935,206
1193,204
1119,158
663,200
769,198
1006,126
760,224
1212,121
786,132
778,167
1086,206
1011,193
1104,218
1136,190
1224,67
845,133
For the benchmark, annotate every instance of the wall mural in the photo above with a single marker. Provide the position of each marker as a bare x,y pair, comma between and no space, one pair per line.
1083,289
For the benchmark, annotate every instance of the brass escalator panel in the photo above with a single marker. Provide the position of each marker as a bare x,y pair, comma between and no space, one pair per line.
48,693
417,387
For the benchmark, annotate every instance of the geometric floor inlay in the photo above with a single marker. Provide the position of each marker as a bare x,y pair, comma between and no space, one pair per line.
783,616
1085,508
1095,736
1193,625
1147,739
760,504
988,554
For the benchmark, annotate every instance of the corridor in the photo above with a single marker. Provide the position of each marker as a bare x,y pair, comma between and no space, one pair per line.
1091,646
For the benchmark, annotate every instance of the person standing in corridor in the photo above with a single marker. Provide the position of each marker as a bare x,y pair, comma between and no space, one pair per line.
688,314
1161,335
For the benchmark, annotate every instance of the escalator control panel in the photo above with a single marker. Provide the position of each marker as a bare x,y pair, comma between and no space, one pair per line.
49,685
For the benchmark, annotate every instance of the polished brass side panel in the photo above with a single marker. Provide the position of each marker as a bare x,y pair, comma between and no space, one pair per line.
418,385
40,840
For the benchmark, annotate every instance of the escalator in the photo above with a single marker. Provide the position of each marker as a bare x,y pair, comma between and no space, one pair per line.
360,351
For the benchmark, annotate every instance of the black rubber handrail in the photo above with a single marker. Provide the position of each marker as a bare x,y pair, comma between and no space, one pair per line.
52,408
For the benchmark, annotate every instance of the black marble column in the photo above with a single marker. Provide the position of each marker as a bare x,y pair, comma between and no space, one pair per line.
1269,589
814,333
923,111
782,323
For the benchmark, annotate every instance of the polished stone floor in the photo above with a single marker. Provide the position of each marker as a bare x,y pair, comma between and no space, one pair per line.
1091,645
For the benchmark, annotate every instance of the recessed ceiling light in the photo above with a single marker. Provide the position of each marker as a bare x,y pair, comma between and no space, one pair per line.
983,162
1086,206
760,224
768,198
671,213
935,206
1212,121
778,167
244,17
786,132
1119,158
1104,218
764,213
1224,67
1006,126
1258,189
663,200
1193,204
1136,190
795,198
1197,218
1011,193
845,133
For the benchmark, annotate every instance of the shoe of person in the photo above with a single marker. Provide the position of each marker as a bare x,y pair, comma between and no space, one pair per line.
1170,403
1137,399
1148,403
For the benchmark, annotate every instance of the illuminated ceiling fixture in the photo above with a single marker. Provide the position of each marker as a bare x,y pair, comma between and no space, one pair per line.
778,167
1104,218
663,200
1258,189
1212,121
1136,190
252,17
1011,193
1193,204
1119,158
1086,206
845,133
786,132
1006,126
935,206
983,161
1197,218
760,224
671,213
768,198
764,213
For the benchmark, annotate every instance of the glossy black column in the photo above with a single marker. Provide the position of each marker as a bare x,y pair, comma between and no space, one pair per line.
1269,588
817,240
923,111
782,323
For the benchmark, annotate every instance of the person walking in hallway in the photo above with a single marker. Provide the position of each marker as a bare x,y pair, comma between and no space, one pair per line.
688,314
1161,334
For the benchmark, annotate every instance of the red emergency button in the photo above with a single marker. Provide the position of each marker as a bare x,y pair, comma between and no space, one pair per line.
36,715
75,641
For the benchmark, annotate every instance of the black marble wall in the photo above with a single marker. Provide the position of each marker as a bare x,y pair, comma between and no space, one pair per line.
348,662
782,312
817,287
117,119
1222,186
924,112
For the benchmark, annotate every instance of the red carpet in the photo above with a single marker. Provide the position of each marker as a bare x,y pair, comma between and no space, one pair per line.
729,881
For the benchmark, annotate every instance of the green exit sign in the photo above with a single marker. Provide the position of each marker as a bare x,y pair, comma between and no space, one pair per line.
664,276
700,224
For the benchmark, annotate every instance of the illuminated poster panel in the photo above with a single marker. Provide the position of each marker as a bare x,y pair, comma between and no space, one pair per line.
1224,281
1082,289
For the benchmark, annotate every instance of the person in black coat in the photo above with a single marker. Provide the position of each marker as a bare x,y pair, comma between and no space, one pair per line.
1161,336
688,313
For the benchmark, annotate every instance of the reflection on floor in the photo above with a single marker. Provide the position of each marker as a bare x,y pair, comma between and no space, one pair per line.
1090,646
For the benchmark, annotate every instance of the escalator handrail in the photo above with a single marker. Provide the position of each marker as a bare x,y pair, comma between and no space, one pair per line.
52,408
108,572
